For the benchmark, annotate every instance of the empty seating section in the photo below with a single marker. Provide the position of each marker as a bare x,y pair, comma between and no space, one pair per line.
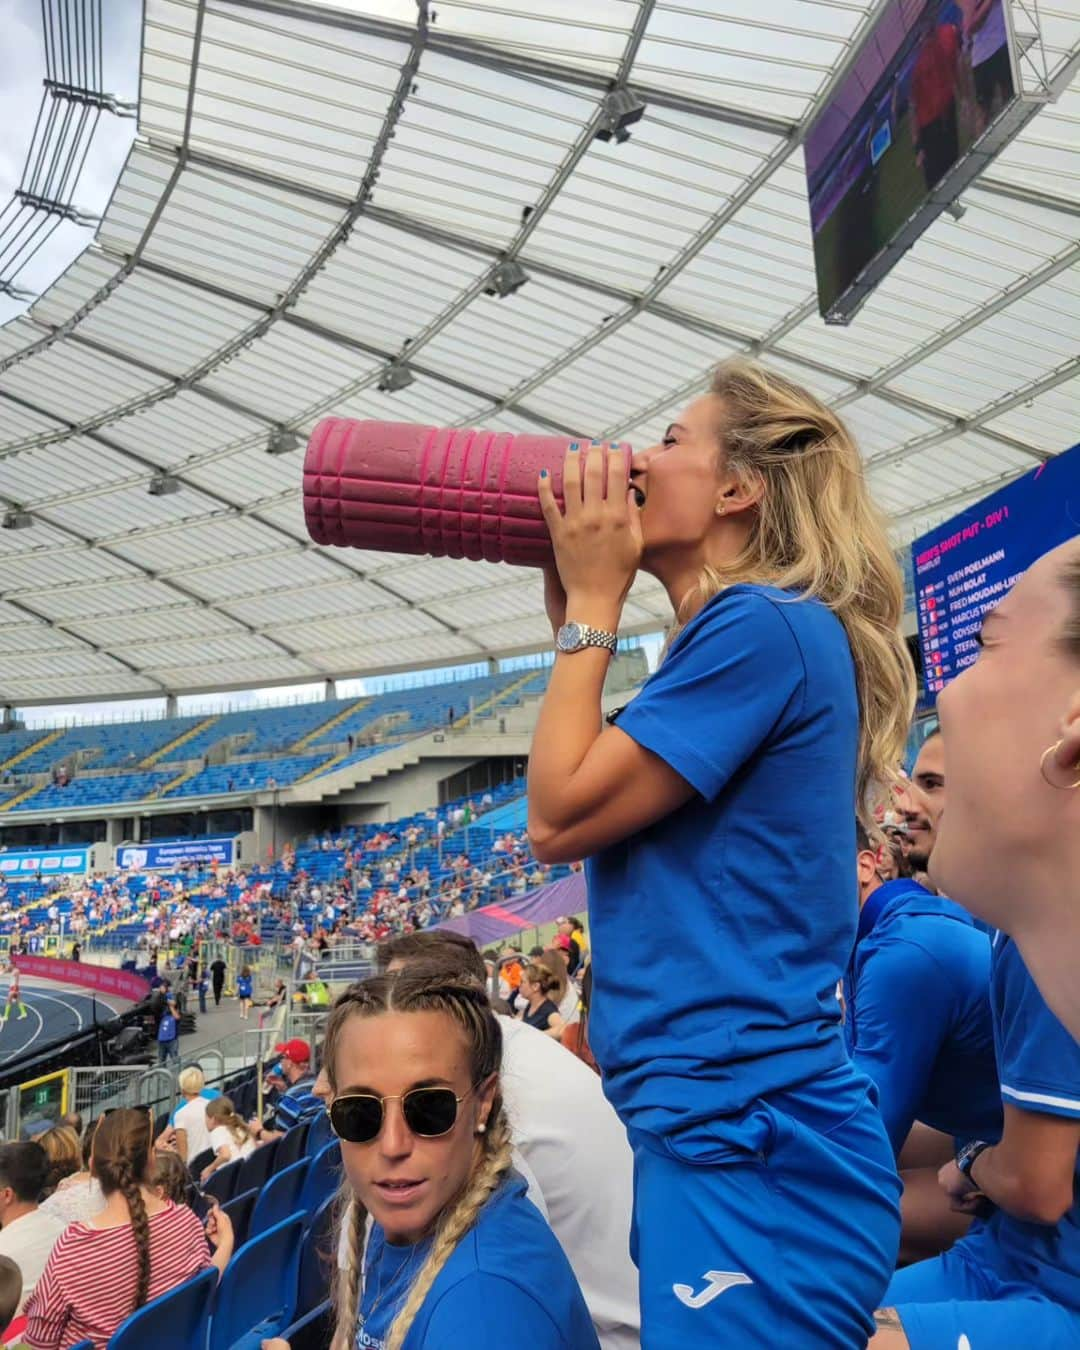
114,745
249,775
87,790
252,749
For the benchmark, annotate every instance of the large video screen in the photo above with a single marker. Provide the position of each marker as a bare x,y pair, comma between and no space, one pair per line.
929,80
964,567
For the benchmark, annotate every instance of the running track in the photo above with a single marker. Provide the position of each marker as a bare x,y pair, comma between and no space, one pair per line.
51,1013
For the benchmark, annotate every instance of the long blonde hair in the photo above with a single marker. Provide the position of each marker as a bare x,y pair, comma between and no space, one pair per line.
466,1003
817,532
221,1111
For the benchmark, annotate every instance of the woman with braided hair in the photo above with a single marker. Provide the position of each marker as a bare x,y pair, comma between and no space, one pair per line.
457,1253
144,1245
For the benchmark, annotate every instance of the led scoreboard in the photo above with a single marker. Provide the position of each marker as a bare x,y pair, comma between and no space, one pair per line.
964,566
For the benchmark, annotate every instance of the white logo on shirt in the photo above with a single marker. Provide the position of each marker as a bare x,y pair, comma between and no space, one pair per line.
716,1281
963,1344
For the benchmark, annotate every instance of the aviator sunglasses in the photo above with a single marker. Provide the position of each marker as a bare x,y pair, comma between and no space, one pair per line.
429,1112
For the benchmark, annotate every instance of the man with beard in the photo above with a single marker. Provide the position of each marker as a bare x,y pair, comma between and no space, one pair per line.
917,1016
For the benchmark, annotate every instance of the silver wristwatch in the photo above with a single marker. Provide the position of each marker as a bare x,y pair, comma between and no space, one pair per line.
575,637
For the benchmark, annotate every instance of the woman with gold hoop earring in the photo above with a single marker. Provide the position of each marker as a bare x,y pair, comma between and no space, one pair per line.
1008,847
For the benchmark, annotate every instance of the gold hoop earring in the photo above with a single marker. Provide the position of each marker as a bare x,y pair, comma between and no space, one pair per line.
1058,787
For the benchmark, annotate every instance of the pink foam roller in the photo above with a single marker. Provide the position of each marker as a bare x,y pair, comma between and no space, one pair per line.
401,488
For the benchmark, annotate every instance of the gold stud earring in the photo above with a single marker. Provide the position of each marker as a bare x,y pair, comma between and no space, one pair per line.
1059,787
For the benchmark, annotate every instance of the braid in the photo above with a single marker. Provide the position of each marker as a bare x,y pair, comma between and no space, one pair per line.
128,1185
351,1218
493,1166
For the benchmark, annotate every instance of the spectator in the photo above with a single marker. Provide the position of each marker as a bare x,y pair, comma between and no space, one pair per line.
170,1178
74,1120
217,978
27,1235
79,1196
189,1119
566,997
244,991
568,1143
577,948
718,855
62,1149
576,1035
1025,883
168,1034
536,1003
427,1152
145,1244
297,1102
230,1138
917,1022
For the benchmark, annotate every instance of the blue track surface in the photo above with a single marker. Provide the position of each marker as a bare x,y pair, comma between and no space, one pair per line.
50,1015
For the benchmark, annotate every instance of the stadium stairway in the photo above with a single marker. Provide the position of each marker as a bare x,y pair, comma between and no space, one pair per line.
320,732
173,783
490,705
159,755
42,744
23,796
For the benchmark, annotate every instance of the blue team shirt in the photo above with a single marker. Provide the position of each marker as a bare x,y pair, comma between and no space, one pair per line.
918,1019
720,932
507,1281
1039,1065
243,987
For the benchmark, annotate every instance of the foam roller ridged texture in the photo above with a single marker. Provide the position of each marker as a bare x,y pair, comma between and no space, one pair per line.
397,487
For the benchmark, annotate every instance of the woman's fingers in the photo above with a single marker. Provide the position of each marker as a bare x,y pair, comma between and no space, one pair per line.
594,474
572,479
548,505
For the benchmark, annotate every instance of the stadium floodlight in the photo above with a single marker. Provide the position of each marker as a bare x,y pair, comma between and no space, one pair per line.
506,278
17,520
282,440
620,110
162,485
396,376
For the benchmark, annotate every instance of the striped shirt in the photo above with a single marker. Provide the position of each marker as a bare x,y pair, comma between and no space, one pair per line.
88,1287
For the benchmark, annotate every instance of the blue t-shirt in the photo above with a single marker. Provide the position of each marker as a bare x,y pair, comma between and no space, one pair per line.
506,1281
918,1018
243,987
720,932
1039,1064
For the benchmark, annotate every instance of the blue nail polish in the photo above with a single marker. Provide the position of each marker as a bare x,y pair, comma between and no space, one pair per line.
573,445
596,442
543,473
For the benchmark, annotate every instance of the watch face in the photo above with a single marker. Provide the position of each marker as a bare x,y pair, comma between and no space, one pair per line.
570,637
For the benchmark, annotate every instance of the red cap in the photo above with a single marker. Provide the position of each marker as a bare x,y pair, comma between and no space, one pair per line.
297,1050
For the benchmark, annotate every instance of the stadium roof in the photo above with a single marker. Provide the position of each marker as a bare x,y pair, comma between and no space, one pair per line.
317,188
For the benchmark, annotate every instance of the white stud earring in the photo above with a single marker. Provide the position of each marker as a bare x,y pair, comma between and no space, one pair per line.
481,1129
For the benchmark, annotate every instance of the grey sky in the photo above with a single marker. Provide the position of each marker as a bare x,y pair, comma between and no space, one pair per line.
22,69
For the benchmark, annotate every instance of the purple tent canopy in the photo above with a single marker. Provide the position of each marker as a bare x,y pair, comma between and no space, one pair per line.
494,923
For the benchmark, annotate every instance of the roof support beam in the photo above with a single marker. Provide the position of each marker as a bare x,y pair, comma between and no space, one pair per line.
476,52
887,458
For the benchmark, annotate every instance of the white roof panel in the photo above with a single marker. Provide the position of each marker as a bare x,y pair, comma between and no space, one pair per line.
321,188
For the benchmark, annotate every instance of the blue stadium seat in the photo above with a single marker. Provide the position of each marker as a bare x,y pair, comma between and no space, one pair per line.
312,1331
317,1262
280,1197
257,1294
239,1210
255,1169
179,1317
293,1146
320,1133
222,1183
322,1180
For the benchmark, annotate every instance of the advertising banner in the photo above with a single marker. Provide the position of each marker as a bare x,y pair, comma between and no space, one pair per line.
26,864
174,853
102,979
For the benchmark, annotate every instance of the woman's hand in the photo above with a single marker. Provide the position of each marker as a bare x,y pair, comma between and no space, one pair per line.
597,539
964,1196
